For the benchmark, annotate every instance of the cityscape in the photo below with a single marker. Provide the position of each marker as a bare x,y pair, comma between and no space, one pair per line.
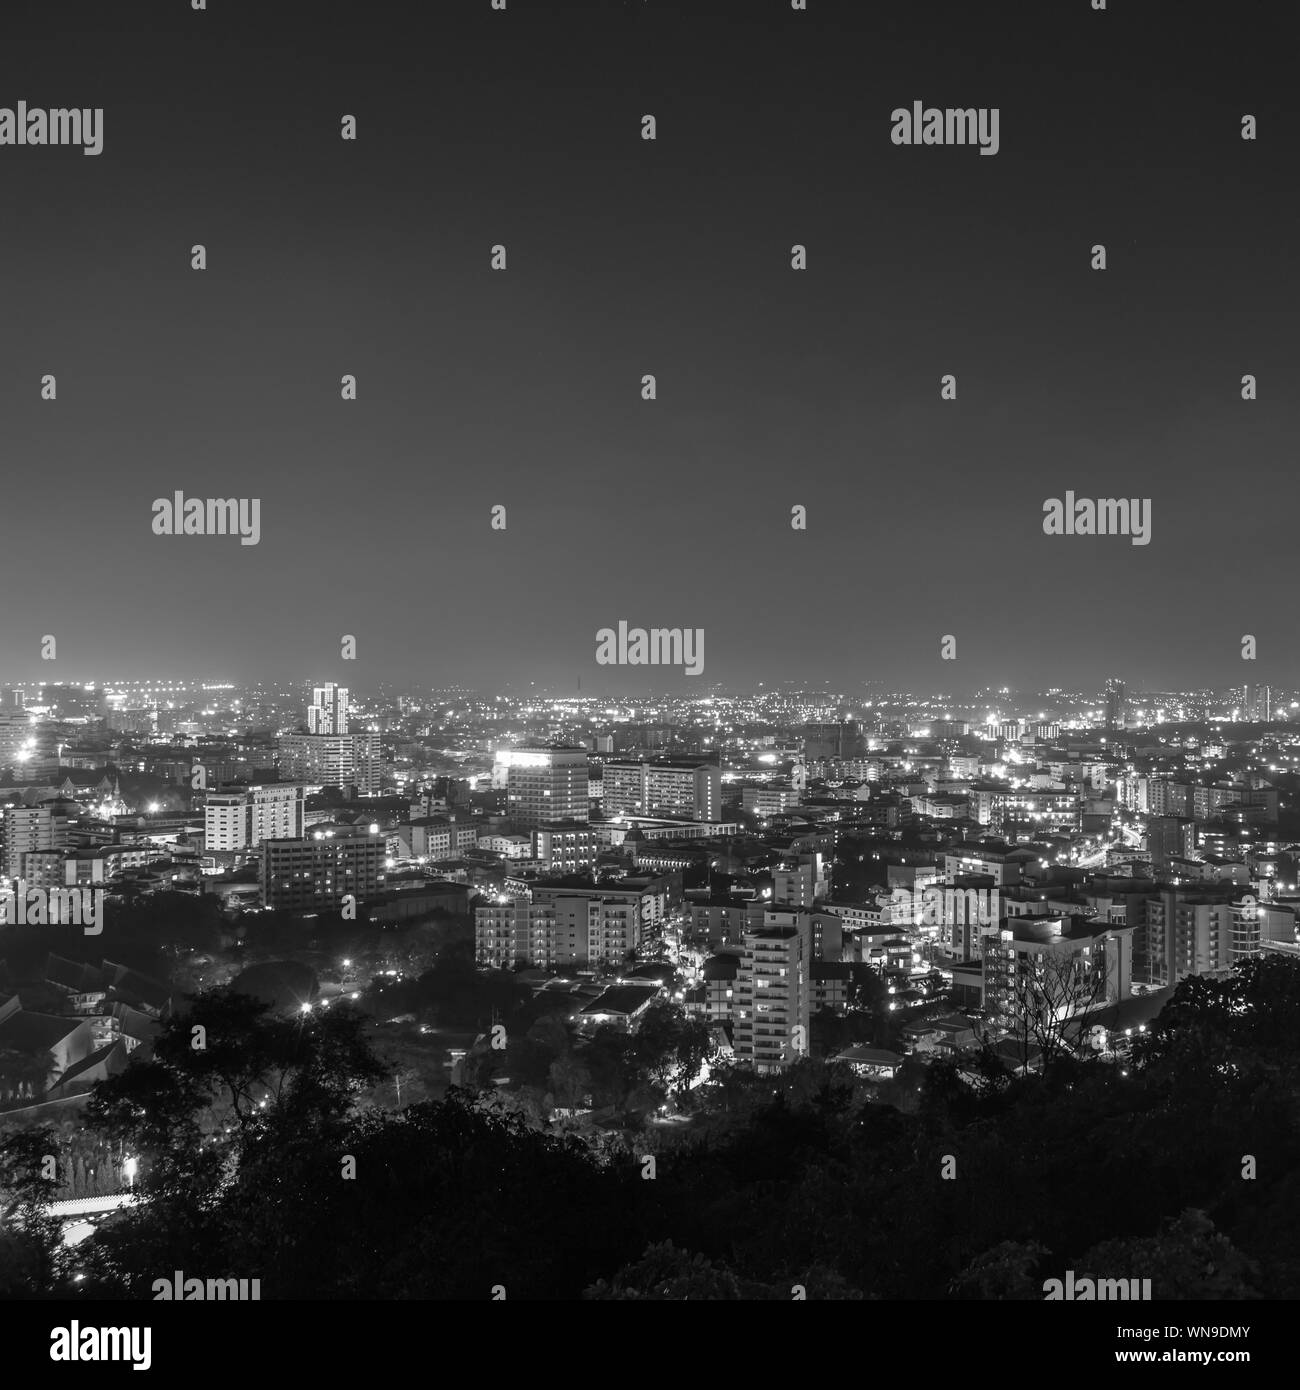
708,941
645,657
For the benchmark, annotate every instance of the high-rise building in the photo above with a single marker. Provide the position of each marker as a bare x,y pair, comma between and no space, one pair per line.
328,711
772,993
33,830
337,760
1257,703
243,819
1189,933
17,738
544,784
511,929
673,788
1115,703
608,924
1040,967
568,847
312,874
799,882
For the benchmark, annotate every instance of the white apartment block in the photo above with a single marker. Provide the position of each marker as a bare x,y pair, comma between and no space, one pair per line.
238,820
773,995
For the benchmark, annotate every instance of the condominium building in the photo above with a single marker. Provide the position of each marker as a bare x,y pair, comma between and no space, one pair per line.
766,802
676,788
1061,966
237,820
569,847
317,873
799,882
553,924
30,830
558,927
544,784
328,711
17,738
773,994
441,837
512,929
337,760
1194,934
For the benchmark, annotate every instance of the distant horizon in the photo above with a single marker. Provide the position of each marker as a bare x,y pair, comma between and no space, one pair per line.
871,693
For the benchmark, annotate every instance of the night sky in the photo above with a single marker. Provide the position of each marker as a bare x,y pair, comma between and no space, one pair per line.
522,388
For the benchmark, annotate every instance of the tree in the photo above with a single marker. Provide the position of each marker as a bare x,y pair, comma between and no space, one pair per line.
832,1032
265,1101
31,1248
400,1087
1188,1259
569,1081
528,1061
669,1048
24,1075
1051,992
667,1274
610,1059
1004,1272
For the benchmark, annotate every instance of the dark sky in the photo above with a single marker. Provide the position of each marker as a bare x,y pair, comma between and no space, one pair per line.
625,257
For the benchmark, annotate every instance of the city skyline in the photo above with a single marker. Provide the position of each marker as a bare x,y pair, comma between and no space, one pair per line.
644,657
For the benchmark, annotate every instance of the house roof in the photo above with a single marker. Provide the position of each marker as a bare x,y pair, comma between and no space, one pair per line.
869,1056
74,975
105,1061
949,1023
135,988
29,1032
622,999
134,1023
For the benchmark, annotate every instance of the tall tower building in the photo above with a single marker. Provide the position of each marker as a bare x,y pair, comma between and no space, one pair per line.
1115,703
544,784
772,999
328,711
1257,703
17,737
